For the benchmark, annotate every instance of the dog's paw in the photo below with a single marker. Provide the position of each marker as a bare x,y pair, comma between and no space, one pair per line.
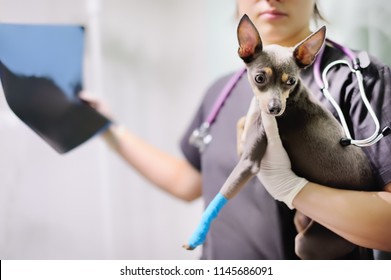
188,247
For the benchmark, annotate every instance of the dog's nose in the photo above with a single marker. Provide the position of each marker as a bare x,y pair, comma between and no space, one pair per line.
274,107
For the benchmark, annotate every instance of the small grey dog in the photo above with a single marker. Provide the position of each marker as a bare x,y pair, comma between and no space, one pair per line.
310,134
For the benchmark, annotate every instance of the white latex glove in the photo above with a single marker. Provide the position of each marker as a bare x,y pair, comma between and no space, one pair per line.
276,173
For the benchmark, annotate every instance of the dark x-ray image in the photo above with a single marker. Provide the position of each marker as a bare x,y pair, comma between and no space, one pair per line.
41,74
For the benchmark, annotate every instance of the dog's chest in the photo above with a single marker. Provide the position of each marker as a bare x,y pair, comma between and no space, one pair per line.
312,143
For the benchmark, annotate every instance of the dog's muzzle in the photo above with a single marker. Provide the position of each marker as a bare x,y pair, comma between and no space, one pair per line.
274,107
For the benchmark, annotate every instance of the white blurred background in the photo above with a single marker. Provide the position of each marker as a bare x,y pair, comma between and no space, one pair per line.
151,61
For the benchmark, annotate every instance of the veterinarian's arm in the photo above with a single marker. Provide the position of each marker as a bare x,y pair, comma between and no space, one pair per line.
172,174
363,218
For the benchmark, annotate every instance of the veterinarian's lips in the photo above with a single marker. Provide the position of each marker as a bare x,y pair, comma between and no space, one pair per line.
272,14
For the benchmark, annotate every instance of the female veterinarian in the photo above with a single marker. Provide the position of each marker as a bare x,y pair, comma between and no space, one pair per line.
257,224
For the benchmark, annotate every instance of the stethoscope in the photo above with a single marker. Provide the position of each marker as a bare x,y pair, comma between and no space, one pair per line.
323,84
200,138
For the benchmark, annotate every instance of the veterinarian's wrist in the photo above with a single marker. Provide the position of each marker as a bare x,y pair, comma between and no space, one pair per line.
299,184
113,134
307,195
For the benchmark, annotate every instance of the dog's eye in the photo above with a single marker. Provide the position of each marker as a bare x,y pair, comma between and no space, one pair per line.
291,81
260,78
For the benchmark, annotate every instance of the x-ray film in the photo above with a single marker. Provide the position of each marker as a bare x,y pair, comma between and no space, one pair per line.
41,74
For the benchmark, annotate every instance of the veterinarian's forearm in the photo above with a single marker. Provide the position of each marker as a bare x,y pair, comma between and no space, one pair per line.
172,174
363,218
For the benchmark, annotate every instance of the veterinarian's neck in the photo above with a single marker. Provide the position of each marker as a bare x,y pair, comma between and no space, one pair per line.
290,41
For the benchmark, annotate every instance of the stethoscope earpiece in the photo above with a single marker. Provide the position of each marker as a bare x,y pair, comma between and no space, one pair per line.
345,142
386,131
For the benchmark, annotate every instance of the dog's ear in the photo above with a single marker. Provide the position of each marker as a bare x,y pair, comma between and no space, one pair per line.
250,42
305,52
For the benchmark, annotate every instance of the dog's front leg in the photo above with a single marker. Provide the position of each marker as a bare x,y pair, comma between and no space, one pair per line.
243,125
247,167
250,160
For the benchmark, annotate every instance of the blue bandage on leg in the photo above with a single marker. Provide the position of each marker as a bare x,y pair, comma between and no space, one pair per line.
211,212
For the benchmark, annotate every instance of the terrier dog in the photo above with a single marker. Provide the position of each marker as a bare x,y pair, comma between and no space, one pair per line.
309,133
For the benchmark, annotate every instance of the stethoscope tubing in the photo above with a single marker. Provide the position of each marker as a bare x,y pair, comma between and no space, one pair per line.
324,86
325,90
226,91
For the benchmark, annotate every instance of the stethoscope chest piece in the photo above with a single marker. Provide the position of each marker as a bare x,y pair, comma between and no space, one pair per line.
200,138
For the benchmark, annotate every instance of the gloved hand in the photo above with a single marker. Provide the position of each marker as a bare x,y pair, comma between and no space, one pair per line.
276,173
